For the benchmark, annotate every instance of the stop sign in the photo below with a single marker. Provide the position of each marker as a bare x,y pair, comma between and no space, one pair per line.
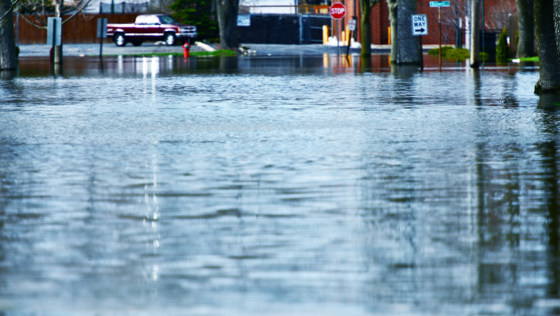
337,11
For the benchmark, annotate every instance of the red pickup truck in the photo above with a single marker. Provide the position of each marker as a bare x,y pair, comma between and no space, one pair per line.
151,27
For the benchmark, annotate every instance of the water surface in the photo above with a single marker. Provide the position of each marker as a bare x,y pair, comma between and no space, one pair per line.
277,186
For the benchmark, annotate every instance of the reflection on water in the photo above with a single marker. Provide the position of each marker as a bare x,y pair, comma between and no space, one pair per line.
253,186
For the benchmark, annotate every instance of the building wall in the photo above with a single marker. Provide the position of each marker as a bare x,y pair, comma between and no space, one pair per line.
76,31
380,23
495,12
80,30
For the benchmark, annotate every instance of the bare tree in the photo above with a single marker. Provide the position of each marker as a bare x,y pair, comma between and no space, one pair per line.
36,11
8,58
227,21
526,25
159,6
450,17
7,8
366,6
500,13
547,20
405,48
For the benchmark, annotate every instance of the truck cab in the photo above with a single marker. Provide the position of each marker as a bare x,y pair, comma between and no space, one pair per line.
151,27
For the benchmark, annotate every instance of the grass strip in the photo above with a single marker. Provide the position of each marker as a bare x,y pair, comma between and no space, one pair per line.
217,53
529,59
450,52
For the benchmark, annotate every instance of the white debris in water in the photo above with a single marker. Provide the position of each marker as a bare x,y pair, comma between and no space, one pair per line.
547,303
334,42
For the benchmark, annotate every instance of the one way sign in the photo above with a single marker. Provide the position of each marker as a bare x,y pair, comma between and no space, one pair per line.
419,24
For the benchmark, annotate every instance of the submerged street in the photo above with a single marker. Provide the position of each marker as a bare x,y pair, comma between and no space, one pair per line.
302,185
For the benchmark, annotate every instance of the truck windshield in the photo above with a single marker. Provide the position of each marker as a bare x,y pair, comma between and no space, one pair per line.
166,19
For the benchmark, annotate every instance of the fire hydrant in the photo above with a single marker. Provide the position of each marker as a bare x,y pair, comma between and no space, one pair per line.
186,50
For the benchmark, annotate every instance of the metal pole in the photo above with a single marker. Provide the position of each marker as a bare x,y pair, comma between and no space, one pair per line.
421,54
354,17
439,23
53,50
338,40
349,43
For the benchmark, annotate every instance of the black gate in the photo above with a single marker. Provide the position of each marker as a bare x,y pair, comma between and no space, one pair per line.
271,29
312,28
284,29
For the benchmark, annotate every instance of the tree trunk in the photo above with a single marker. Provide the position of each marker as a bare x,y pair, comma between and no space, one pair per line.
475,33
8,57
549,81
366,28
409,48
526,25
404,46
557,24
227,21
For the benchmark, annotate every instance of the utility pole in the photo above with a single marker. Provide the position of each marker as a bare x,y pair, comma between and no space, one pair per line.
439,5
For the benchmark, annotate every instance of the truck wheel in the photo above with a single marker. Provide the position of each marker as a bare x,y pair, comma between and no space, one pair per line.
136,43
169,39
120,40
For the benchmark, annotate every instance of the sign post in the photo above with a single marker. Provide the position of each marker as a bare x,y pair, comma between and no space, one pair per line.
337,12
439,5
420,28
351,28
54,37
101,33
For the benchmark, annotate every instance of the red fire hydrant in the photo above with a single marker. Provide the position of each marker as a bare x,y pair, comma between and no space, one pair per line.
186,50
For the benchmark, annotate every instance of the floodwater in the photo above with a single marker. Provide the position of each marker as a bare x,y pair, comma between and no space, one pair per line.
277,186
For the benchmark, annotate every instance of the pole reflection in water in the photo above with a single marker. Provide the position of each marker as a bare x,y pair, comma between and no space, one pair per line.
250,186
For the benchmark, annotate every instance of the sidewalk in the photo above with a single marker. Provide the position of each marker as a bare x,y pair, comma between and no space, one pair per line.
43,50
317,49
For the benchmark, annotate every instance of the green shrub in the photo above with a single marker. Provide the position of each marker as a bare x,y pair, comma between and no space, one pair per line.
502,49
451,53
444,50
458,54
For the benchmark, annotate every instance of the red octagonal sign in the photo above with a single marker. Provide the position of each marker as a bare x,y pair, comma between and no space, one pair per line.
337,11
